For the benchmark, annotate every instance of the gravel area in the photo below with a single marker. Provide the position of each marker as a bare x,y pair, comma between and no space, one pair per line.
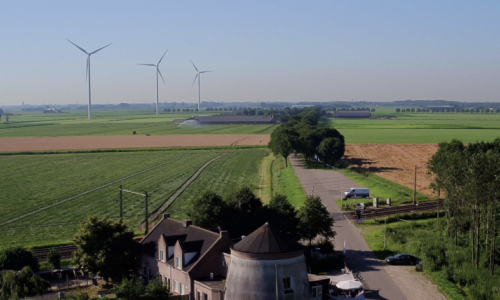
414,285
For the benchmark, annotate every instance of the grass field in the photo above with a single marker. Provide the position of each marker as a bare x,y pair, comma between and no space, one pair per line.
45,196
418,127
113,123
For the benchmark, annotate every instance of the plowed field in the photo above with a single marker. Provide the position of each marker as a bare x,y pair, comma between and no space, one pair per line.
395,162
116,142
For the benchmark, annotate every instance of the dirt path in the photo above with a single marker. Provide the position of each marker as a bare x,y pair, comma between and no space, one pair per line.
395,162
414,285
117,142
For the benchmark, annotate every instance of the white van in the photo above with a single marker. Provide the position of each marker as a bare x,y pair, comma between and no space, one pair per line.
359,192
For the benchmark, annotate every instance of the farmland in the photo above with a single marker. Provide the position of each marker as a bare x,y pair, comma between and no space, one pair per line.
44,196
113,123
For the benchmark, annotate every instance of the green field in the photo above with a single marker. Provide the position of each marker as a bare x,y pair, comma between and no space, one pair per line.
418,127
113,123
45,196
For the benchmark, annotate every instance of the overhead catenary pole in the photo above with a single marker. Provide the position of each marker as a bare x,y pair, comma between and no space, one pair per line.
121,201
147,215
415,187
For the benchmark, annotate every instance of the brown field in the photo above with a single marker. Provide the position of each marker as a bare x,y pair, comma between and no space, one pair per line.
395,162
116,142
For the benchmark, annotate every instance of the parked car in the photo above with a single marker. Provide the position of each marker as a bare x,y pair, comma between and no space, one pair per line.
402,259
359,192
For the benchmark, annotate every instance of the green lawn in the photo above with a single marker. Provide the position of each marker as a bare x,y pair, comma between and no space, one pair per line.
44,184
113,123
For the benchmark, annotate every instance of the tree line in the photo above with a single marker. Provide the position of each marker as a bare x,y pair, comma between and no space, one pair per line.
302,135
469,175
243,212
448,110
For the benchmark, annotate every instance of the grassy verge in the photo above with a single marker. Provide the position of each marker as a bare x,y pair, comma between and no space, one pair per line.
408,237
265,188
285,182
381,188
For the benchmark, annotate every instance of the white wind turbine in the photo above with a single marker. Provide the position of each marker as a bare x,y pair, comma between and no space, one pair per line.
87,76
198,75
157,72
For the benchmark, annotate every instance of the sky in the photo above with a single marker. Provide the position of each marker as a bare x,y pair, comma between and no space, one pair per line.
258,50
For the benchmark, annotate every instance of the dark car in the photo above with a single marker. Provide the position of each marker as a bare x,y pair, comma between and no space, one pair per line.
402,259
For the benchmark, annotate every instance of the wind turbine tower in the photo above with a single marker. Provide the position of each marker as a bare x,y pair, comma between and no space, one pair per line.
157,72
87,76
198,75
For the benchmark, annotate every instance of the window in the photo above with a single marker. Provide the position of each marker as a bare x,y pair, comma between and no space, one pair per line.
178,262
287,283
317,291
205,296
198,295
176,286
162,255
182,289
167,282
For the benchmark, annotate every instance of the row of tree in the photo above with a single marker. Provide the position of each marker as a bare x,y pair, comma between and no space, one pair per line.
461,110
302,135
243,212
470,177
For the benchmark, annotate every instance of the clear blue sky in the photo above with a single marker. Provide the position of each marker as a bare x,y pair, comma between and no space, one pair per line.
259,50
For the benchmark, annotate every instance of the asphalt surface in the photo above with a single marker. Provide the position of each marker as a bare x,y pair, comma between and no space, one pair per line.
328,184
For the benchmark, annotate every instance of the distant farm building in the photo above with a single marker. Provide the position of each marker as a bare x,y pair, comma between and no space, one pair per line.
352,114
52,111
234,119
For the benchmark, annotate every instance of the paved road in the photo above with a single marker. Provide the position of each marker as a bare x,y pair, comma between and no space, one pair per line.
328,185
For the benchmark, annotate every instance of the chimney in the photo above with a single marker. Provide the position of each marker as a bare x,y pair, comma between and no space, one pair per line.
187,223
224,234
166,216
243,236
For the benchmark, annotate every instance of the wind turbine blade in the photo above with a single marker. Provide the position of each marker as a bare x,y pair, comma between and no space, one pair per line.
158,69
162,57
206,71
100,49
151,65
77,46
194,65
87,73
197,74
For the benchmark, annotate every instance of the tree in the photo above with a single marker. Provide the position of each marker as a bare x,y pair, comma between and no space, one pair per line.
19,284
282,142
314,220
398,110
106,248
208,211
16,258
244,212
54,258
129,289
283,215
156,290
331,150
373,109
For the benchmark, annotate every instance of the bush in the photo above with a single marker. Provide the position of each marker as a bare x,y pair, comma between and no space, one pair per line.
15,258
54,259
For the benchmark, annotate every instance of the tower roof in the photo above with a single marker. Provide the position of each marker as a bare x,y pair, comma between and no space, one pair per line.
267,240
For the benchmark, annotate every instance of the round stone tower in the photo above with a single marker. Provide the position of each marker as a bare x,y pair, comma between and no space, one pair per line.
267,264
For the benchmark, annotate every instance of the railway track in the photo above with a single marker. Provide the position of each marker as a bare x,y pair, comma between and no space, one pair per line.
394,210
66,252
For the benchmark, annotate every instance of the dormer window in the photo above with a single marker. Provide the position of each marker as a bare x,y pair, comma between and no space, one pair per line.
162,255
178,262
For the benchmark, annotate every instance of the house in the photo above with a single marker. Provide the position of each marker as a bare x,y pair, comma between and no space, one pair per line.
208,265
189,259
352,114
234,119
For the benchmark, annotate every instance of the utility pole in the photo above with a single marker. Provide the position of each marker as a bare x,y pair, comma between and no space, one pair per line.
121,206
415,184
147,215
